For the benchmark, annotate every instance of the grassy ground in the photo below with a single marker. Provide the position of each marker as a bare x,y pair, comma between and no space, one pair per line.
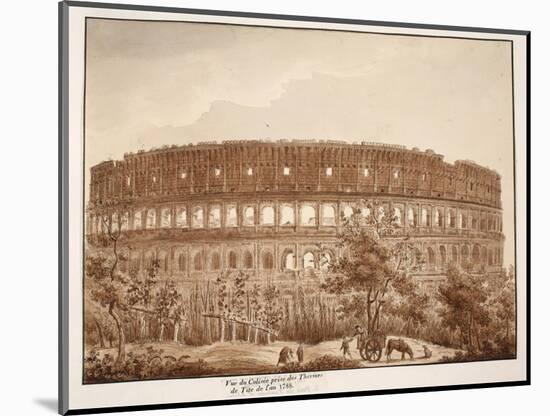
245,358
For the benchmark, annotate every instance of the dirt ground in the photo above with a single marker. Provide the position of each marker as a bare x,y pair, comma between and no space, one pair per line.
242,357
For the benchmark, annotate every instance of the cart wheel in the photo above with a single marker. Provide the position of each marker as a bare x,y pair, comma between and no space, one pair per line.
373,351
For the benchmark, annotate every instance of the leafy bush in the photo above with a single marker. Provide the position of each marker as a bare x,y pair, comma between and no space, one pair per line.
144,366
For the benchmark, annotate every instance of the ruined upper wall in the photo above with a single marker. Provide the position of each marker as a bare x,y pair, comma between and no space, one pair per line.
293,166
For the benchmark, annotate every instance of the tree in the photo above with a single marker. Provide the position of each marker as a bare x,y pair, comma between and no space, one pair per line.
272,311
375,258
463,296
238,301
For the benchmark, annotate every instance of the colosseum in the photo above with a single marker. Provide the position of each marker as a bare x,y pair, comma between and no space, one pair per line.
265,207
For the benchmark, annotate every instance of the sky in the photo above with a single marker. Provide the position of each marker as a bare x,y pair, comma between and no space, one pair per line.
150,84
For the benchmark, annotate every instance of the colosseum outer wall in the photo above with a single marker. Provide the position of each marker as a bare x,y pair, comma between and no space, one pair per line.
265,206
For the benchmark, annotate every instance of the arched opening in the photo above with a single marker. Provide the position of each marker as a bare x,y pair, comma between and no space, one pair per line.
411,217
451,219
431,257
490,257
309,260
307,216
124,221
267,260
114,222
163,261
398,216
425,218
181,218
197,262
248,216
248,260
181,262
268,215
483,255
232,260
149,258
198,217
215,261
328,215
151,218
288,260
325,260
287,215
214,220
381,212
165,218
442,255
347,212
231,216
475,254
464,255
455,255
438,217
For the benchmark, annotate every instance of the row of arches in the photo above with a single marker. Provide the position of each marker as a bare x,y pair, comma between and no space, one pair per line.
289,214
212,261
477,255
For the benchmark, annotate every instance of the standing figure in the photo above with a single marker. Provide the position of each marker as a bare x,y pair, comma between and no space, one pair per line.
360,334
300,353
345,347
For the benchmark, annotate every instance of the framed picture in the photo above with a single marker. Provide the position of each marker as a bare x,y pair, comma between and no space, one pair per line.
262,207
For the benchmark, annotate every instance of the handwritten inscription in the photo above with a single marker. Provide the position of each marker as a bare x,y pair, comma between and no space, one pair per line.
271,384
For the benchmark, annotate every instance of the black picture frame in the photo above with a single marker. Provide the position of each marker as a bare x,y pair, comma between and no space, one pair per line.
63,202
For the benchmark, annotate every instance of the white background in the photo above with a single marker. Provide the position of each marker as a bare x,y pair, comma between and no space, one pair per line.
28,97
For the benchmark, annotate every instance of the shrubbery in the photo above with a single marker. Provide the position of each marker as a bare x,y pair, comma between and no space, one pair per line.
144,366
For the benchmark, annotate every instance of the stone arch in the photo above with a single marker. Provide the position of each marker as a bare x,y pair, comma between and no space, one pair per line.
215,261
308,216
248,260
425,217
430,256
232,260
490,257
267,260
114,222
181,217
398,216
267,215
197,219
464,255
308,260
149,257
438,220
454,252
411,217
288,261
325,260
163,260
182,262
197,261
124,221
484,255
328,214
151,218
248,216
231,216
451,218
215,217
475,254
287,215
166,218
347,211
442,255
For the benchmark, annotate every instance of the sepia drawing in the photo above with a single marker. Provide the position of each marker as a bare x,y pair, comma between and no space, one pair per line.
266,200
